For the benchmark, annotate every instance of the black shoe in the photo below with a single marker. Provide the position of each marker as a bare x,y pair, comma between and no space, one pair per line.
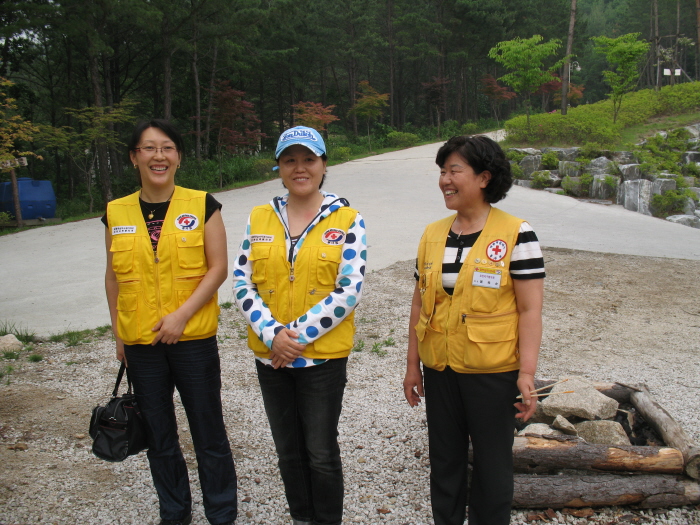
184,521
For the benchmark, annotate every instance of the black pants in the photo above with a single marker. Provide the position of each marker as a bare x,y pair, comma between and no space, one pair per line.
479,407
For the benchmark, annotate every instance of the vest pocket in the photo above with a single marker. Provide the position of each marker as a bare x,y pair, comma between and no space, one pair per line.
190,249
128,326
491,345
259,256
327,262
484,300
122,254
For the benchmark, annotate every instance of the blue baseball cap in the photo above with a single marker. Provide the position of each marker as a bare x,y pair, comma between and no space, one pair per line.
304,136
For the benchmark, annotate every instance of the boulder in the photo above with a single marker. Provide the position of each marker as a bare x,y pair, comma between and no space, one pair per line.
690,156
600,189
523,183
689,206
555,191
624,157
602,432
696,191
630,171
10,343
541,429
635,195
601,163
662,134
572,186
539,416
694,130
570,168
530,164
585,402
686,220
563,154
563,424
545,179
526,151
660,186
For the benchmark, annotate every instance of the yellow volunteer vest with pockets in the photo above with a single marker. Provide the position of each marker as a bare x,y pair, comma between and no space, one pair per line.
155,284
315,270
476,329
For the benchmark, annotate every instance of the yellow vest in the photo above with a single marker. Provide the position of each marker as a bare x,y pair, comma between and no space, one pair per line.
152,285
476,329
291,292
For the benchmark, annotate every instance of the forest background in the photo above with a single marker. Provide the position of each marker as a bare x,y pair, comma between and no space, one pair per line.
233,74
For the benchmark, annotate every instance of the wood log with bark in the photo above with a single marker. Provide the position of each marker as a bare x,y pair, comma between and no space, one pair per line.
669,430
586,489
543,454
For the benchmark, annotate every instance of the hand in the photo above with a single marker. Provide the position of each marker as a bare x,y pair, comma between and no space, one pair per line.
526,408
413,385
120,351
285,348
169,329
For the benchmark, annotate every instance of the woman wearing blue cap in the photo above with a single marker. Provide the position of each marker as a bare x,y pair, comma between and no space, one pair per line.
297,279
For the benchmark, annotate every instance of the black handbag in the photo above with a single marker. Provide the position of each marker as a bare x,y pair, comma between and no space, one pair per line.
117,429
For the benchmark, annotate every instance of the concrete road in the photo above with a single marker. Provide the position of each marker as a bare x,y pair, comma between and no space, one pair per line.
52,278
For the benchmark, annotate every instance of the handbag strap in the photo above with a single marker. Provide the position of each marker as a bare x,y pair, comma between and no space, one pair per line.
122,368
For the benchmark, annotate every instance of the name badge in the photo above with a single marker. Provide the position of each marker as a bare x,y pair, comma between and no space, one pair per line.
262,238
117,230
487,278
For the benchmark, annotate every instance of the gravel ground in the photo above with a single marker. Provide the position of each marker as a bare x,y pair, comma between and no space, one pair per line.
607,317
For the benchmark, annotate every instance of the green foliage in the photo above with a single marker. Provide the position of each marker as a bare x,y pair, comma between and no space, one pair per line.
569,185
226,305
590,151
540,180
35,358
585,181
623,54
398,139
670,202
681,98
550,161
517,171
5,217
359,346
514,155
389,341
10,355
377,349
369,105
6,371
610,182
451,128
341,153
469,128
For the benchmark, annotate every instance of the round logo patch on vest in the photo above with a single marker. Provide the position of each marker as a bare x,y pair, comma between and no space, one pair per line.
333,236
186,222
497,250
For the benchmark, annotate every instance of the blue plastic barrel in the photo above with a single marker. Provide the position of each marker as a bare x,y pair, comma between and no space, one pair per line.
36,198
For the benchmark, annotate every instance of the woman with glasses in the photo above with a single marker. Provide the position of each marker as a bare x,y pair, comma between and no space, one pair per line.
166,258
297,279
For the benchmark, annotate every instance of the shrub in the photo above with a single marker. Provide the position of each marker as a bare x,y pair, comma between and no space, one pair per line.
400,139
591,150
585,181
550,161
5,217
670,202
516,156
470,128
516,171
450,128
341,153
540,180
681,98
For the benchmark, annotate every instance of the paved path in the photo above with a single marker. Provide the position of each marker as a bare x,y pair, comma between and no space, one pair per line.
52,278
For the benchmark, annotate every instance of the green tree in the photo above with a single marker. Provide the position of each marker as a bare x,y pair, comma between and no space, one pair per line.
369,105
526,58
623,55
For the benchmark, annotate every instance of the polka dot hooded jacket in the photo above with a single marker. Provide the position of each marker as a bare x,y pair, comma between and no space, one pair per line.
311,287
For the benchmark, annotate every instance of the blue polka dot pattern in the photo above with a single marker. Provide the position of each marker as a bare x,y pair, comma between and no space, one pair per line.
302,340
319,361
303,318
339,311
358,286
242,260
299,362
279,329
316,309
241,294
326,322
347,270
328,300
239,273
349,254
239,284
254,316
363,255
312,331
247,304
351,300
350,239
246,244
344,282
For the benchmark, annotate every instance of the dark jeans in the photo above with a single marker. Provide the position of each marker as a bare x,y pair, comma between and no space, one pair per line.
480,407
192,367
303,407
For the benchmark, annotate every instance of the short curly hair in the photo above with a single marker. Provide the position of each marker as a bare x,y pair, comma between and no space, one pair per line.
482,154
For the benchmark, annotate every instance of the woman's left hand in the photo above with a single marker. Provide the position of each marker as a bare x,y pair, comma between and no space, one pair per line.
169,329
526,408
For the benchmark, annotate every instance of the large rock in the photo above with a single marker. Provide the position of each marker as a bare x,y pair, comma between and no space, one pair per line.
635,195
586,402
660,186
10,343
563,424
602,432
570,168
526,151
690,156
523,183
630,171
545,179
564,154
540,428
694,130
689,206
624,157
600,189
686,220
572,186
696,191
531,163
601,163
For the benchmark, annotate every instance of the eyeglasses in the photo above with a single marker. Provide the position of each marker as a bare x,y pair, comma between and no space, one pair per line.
151,150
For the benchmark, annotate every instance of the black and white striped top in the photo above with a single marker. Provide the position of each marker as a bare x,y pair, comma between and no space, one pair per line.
525,263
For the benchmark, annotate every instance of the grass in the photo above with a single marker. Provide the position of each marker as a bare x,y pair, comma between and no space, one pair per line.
10,355
35,358
389,341
226,305
377,349
23,334
76,337
635,134
359,346
6,371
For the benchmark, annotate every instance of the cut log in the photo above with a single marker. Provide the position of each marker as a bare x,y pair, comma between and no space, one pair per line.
542,454
585,489
667,427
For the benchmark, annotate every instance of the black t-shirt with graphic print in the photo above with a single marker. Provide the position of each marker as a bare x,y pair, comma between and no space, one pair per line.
159,209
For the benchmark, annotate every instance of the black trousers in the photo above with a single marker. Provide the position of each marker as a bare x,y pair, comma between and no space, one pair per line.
479,407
